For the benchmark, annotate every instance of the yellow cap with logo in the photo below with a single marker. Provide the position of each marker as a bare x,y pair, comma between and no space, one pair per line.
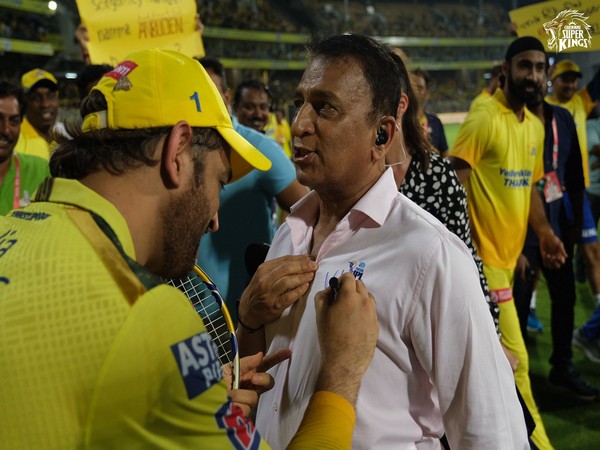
157,88
566,66
38,77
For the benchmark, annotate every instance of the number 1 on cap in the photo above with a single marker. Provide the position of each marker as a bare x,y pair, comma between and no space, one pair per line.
197,100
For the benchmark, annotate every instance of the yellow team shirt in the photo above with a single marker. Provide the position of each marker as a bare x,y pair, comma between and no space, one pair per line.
31,143
579,106
506,160
97,352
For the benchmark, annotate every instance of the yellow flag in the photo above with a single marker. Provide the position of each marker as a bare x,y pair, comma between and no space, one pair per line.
561,25
119,27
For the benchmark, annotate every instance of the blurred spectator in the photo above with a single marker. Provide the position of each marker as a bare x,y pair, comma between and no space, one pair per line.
20,175
278,128
432,125
41,92
254,197
251,104
493,82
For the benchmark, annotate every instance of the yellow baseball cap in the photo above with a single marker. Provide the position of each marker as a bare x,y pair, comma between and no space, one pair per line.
38,77
157,88
566,66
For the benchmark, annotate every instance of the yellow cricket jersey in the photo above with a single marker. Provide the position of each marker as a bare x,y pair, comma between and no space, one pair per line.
96,352
506,159
31,143
280,132
579,106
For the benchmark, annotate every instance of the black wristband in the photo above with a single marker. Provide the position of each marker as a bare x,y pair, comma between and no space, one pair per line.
245,327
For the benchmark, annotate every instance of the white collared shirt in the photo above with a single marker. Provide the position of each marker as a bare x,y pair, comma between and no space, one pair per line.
438,366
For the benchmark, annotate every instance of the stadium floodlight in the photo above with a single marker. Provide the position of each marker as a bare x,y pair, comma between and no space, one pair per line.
52,5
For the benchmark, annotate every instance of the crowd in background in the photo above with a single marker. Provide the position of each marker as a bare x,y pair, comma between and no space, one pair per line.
414,19
382,18
30,28
447,91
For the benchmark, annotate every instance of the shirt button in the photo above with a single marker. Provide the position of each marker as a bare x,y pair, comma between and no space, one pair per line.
275,406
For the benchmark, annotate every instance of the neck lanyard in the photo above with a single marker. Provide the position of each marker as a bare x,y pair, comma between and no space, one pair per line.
17,195
554,145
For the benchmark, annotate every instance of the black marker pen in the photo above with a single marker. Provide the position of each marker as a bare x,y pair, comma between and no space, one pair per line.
334,284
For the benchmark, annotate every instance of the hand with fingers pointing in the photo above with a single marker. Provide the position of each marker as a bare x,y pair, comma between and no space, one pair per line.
253,379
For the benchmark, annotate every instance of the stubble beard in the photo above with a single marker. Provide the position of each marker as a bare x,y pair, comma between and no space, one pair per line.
185,222
518,91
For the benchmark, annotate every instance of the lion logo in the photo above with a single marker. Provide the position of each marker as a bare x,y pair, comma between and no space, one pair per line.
568,29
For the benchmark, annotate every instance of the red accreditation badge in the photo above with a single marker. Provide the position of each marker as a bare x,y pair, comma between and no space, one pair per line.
552,188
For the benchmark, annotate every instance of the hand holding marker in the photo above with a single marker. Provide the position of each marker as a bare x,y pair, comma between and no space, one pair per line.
334,283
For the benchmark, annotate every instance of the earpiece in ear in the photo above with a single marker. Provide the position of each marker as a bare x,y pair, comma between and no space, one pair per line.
381,137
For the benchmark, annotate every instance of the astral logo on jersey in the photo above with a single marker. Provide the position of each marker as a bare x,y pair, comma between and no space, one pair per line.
198,361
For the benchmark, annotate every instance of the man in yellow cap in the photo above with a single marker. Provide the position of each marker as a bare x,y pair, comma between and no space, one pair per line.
565,81
95,350
565,77
41,91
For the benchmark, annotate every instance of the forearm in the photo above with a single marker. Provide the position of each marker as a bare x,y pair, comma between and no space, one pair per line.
537,216
250,343
552,249
341,379
462,168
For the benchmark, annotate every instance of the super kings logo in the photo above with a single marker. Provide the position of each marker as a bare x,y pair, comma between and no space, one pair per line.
568,29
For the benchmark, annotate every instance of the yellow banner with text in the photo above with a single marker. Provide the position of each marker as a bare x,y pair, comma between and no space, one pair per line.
119,27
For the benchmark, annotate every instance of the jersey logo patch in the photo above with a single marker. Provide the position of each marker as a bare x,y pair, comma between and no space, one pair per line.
240,430
357,268
198,361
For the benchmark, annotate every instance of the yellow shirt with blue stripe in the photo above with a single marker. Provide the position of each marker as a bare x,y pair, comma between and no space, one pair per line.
97,352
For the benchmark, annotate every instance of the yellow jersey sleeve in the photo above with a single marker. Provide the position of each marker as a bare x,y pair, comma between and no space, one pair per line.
328,423
161,384
474,135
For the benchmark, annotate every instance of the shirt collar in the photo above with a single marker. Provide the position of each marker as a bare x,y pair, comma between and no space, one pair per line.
72,192
505,108
374,204
503,103
27,129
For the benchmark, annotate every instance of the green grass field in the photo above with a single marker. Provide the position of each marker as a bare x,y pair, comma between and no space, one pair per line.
570,423
451,130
